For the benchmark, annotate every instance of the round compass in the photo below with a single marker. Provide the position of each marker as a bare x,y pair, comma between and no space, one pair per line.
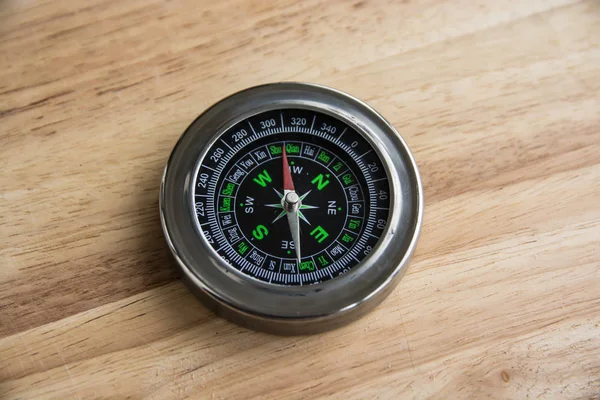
291,208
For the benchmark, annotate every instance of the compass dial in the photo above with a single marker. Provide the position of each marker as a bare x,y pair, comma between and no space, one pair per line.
291,196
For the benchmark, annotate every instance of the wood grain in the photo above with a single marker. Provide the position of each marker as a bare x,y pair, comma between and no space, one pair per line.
499,101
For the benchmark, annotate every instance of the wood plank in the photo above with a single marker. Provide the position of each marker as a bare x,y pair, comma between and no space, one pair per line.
499,101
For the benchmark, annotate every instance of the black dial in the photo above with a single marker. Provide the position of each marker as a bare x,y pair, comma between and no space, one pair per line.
292,197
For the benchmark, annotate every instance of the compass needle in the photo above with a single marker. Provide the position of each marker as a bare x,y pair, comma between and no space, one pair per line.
295,230
291,204
282,188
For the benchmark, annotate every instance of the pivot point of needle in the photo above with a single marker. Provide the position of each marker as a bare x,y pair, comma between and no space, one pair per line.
292,198
291,202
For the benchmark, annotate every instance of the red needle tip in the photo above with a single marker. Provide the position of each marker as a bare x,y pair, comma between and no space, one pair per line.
288,184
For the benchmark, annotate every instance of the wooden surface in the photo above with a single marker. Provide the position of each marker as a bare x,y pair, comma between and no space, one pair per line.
499,101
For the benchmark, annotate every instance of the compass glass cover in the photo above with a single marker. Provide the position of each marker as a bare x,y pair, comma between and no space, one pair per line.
337,211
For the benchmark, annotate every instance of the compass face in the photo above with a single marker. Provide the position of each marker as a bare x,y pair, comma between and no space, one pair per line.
292,197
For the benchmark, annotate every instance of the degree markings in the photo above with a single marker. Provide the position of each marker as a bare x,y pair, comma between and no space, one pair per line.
370,234
213,194
251,127
365,153
226,144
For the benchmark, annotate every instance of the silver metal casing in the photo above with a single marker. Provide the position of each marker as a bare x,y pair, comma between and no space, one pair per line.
277,308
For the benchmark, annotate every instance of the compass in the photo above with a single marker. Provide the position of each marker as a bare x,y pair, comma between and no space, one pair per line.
291,208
